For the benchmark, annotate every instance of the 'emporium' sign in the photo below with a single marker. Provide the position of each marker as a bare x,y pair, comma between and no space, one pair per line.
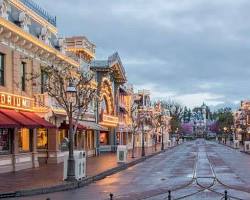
8,100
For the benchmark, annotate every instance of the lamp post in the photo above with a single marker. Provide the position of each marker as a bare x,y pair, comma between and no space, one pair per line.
162,125
71,92
142,119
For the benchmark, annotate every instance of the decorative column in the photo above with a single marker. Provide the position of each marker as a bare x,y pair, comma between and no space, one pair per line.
53,147
34,149
15,148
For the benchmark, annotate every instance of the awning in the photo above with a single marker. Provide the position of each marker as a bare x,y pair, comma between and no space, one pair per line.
93,126
64,125
6,122
19,118
38,120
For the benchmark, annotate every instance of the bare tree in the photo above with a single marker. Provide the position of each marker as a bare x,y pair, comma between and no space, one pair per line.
59,80
176,113
134,124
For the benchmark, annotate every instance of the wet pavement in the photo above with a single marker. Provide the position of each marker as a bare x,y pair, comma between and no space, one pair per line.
193,171
49,175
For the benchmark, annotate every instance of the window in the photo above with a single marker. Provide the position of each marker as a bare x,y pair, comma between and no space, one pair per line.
42,138
4,141
1,69
23,78
104,138
24,140
44,78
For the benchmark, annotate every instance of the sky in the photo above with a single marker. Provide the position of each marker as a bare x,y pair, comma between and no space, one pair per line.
192,51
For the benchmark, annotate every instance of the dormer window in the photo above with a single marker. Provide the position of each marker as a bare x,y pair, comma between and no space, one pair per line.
45,35
4,9
24,21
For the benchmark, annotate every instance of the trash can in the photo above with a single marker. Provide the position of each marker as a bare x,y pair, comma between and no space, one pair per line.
122,153
236,144
247,146
169,143
80,165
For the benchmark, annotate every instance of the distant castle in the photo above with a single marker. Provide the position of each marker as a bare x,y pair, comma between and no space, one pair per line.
200,119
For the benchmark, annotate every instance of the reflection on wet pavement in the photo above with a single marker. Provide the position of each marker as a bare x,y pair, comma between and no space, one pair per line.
194,170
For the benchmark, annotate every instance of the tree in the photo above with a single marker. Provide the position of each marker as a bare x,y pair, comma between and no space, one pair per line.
176,113
73,90
224,119
214,127
189,115
185,115
187,128
134,124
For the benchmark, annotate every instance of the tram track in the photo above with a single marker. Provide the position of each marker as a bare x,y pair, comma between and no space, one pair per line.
214,182
196,180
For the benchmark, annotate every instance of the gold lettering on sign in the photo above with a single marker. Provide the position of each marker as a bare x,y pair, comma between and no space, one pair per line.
3,99
24,103
18,102
9,100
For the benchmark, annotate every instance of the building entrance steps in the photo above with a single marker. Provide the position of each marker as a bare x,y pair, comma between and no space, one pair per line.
48,175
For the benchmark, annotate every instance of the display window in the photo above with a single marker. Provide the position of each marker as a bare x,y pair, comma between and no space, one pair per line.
24,140
5,145
42,138
104,139
63,139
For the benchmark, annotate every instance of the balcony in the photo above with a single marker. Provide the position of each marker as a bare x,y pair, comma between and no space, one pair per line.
81,45
40,11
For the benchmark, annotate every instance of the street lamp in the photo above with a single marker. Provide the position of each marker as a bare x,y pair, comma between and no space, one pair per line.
142,129
71,94
162,125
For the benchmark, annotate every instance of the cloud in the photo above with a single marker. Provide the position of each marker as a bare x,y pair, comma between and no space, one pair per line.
194,50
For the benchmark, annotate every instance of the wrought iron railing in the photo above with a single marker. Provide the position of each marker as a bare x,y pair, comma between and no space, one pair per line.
40,11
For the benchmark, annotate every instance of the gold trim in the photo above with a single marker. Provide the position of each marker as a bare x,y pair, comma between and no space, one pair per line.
12,27
75,49
34,15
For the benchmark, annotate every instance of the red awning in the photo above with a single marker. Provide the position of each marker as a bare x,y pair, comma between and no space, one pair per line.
19,118
6,122
38,120
66,126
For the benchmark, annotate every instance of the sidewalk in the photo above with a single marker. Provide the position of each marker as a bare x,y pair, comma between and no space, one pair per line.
230,144
52,174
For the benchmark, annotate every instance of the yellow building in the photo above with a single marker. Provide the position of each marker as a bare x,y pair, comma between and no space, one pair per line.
28,41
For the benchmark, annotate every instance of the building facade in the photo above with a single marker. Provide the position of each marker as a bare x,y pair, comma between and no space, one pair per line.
28,41
110,76
242,122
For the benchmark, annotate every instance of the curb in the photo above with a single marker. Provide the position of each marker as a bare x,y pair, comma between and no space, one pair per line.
235,149
78,184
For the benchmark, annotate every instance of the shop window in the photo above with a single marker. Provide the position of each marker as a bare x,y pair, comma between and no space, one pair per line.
24,140
42,138
4,141
63,139
104,138
2,69
23,76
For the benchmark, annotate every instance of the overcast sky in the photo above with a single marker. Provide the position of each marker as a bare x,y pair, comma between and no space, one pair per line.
190,50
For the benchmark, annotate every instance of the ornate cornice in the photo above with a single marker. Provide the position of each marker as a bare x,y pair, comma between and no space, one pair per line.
22,38
18,4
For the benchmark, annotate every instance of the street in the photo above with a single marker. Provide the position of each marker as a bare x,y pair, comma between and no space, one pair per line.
194,170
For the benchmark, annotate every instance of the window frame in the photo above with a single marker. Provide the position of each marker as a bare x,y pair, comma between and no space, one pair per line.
9,142
23,76
2,69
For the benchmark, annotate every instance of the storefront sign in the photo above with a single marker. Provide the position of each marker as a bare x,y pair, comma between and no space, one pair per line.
8,100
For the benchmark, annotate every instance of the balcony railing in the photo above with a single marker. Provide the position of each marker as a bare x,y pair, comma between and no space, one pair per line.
40,11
